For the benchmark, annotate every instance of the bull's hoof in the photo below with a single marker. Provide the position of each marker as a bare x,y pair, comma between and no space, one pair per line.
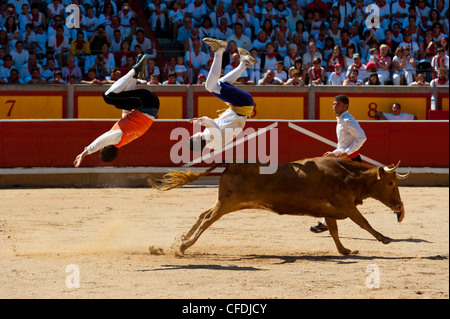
347,252
387,240
180,251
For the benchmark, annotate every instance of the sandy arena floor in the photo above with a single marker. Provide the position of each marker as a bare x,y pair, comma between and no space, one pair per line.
106,234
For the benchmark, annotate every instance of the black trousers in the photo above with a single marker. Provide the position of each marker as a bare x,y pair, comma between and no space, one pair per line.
143,100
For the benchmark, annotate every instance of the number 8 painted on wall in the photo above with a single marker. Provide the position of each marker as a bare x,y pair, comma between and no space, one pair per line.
374,14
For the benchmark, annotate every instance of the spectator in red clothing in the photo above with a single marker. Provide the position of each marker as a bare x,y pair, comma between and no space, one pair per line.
130,61
120,57
335,58
427,48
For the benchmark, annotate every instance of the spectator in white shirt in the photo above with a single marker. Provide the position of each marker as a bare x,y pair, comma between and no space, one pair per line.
25,17
254,71
59,44
413,46
240,16
196,11
145,43
242,41
158,11
20,56
5,70
116,42
396,114
362,74
441,80
31,64
352,78
219,14
269,79
51,31
337,77
55,9
234,64
404,67
223,32
440,60
196,61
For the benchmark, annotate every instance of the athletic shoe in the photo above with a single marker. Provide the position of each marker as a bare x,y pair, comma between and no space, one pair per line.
246,57
139,67
215,44
319,228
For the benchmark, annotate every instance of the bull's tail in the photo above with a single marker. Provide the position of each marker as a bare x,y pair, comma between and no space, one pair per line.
175,179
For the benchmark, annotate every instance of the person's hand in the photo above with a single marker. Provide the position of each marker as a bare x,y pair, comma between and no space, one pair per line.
196,120
79,158
339,154
329,154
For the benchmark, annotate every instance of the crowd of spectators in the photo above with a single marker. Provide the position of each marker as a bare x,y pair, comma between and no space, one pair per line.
303,42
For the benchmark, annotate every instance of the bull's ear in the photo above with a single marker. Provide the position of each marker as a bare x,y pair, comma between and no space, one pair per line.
380,172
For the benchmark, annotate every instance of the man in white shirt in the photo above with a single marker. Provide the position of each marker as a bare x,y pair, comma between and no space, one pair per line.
145,43
20,56
440,60
220,13
240,103
337,77
350,138
396,114
139,110
362,73
196,11
242,41
196,60
441,80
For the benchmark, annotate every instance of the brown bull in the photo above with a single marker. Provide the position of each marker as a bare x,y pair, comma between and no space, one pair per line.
319,187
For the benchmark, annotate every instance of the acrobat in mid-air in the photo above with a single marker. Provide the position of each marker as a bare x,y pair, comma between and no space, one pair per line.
139,110
240,103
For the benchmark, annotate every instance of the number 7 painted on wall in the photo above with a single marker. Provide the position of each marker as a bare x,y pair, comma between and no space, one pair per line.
13,102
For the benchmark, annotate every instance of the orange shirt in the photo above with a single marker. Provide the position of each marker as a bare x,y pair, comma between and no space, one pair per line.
133,125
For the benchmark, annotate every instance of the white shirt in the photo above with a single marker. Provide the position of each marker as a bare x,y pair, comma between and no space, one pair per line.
336,79
435,83
197,60
19,59
230,68
229,124
435,63
108,138
400,117
52,43
242,42
349,133
196,12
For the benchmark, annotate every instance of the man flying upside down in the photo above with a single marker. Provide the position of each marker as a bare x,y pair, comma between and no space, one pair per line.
139,109
240,103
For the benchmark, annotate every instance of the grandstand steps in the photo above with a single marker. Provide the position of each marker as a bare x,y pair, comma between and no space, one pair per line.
169,47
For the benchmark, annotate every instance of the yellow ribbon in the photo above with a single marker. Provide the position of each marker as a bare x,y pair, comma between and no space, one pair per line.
241,110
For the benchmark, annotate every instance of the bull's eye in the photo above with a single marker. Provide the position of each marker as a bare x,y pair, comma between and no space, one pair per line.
391,183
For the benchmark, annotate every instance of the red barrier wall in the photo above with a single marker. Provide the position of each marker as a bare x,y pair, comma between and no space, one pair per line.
57,143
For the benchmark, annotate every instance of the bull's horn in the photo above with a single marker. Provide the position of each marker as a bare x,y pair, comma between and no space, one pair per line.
390,170
400,176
